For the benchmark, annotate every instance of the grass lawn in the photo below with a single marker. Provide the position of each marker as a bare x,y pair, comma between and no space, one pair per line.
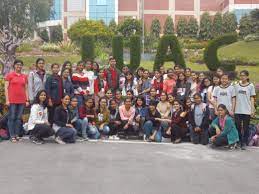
241,51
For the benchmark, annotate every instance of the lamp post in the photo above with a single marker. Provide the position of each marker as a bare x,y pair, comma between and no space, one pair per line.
143,27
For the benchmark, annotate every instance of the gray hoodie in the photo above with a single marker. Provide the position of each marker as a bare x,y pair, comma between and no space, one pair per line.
35,84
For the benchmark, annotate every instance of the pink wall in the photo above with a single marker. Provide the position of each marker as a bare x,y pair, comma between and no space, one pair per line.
157,4
128,5
150,17
184,5
209,5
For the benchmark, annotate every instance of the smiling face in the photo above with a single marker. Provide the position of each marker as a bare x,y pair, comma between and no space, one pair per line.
170,98
224,80
197,99
55,69
103,103
74,102
65,73
129,95
188,73
89,103
206,82
243,77
145,74
113,105
181,77
127,103
18,67
157,74
194,76
125,70
201,77
80,67
139,102
66,101
222,112
40,64
163,97
42,97
216,81
118,95
153,92
176,105
109,94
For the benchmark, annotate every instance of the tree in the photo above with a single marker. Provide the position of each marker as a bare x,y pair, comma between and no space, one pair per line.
192,28
255,19
205,27
164,54
21,16
129,27
169,25
87,47
56,34
229,23
217,25
135,52
88,27
113,27
8,45
246,26
117,50
155,29
181,28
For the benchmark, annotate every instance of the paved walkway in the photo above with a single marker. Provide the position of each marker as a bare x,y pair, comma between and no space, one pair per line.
126,168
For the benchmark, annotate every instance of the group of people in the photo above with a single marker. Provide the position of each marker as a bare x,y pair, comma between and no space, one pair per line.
87,102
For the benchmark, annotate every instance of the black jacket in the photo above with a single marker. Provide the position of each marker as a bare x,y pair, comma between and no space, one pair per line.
62,116
205,121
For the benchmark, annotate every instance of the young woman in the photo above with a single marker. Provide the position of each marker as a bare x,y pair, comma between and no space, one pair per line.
130,95
178,127
16,94
67,65
118,97
152,130
199,121
140,114
224,131
127,113
122,77
194,85
67,83
144,85
103,116
157,82
169,82
164,107
38,124
130,84
54,89
80,125
139,73
81,83
37,79
182,89
220,72
188,75
225,94
96,68
88,112
115,120
108,96
211,100
65,131
204,87
244,107
201,77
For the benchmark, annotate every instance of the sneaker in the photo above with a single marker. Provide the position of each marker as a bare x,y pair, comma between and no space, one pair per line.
59,140
145,137
178,141
243,146
36,141
115,137
233,146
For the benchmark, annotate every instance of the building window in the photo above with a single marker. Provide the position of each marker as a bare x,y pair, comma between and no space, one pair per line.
101,2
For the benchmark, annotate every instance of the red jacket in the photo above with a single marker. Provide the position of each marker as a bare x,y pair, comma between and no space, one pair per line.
96,86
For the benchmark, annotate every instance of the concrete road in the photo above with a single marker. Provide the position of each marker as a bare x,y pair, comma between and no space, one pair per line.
126,168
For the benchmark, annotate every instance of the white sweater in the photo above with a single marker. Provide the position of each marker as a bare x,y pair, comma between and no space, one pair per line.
38,115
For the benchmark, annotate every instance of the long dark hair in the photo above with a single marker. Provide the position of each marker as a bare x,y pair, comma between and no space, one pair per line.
202,87
99,104
64,67
142,99
126,81
224,108
37,99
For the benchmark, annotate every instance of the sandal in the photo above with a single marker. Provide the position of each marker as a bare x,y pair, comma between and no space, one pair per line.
13,140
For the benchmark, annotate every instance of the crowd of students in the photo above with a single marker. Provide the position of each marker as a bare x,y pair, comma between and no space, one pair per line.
87,102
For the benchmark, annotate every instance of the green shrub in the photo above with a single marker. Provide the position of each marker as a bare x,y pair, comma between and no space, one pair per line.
182,28
87,48
117,50
44,35
210,52
67,46
192,28
50,47
155,28
135,52
198,45
129,27
175,53
169,25
205,27
24,47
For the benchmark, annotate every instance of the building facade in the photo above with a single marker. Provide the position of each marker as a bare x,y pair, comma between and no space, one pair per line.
70,11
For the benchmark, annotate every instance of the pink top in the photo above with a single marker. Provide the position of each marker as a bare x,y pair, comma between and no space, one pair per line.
127,115
222,122
17,88
169,85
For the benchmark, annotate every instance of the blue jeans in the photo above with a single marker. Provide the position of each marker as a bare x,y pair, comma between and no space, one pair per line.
67,134
14,119
149,129
105,130
93,132
81,126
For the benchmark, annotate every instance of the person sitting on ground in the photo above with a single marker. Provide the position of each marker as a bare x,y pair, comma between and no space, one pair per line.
115,120
152,126
103,116
38,124
65,131
224,131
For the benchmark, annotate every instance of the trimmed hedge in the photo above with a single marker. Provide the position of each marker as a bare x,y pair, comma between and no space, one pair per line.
87,48
175,54
210,52
135,52
117,50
